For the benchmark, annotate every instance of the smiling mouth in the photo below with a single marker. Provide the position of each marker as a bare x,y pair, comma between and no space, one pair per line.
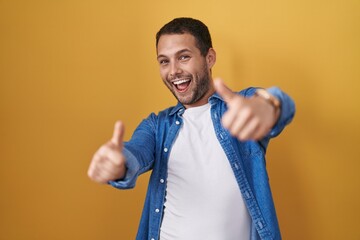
181,85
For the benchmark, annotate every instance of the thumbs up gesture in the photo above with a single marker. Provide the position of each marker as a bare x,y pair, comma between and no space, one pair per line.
108,163
247,118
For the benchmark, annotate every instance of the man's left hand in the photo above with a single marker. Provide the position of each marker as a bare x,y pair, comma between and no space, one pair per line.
247,118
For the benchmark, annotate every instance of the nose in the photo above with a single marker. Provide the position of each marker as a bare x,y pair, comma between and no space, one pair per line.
175,70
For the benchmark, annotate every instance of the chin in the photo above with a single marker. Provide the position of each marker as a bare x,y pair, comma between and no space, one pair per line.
185,101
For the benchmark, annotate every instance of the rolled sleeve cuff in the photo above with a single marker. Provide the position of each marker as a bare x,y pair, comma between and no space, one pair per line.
287,111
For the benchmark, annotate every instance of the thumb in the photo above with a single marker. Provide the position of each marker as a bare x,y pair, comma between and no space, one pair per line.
223,90
118,135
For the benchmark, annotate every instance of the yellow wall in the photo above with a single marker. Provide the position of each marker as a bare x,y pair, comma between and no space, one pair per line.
69,69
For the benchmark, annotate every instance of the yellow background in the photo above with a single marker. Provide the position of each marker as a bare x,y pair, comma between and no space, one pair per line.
69,69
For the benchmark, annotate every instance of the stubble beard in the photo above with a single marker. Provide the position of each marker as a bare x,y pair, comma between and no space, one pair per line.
202,86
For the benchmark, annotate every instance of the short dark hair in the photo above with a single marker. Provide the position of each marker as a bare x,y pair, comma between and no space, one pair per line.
188,25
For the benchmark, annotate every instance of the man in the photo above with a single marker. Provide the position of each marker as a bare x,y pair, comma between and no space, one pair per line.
206,154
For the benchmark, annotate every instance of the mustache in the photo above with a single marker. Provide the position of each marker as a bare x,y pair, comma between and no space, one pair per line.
179,76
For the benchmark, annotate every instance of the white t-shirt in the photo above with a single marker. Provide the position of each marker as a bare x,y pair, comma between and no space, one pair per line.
203,199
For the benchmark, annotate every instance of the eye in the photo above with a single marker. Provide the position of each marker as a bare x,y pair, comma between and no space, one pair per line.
163,61
184,57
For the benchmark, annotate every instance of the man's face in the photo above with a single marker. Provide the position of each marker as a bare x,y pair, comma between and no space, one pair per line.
184,70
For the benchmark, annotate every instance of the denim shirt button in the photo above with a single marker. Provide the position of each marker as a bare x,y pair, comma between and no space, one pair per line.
236,166
165,149
157,210
152,238
162,181
177,122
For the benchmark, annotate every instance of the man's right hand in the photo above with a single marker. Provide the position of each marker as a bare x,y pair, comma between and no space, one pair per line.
108,163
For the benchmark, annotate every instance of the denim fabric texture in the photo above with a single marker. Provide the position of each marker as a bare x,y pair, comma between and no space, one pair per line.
149,149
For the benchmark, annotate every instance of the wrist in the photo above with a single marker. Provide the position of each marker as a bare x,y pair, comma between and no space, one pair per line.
269,98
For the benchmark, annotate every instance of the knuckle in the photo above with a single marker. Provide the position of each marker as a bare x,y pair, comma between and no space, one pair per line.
100,177
247,111
96,158
94,176
226,123
233,131
103,149
90,173
241,136
256,122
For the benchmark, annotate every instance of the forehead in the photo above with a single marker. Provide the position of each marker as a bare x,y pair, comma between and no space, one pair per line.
172,43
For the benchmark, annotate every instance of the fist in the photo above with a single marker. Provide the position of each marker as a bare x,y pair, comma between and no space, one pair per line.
246,118
108,163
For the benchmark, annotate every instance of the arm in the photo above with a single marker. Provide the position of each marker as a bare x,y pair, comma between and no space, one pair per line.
118,163
139,153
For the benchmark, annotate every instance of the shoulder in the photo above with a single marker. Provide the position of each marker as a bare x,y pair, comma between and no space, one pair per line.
165,113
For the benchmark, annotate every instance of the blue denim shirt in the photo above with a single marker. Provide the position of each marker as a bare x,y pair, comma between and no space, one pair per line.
150,146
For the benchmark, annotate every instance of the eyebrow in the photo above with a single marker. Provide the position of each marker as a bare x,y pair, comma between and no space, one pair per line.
177,53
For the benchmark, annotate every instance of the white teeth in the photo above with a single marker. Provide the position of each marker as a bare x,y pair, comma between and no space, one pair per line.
180,81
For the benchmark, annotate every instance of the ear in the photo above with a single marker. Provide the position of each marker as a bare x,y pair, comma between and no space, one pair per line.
211,58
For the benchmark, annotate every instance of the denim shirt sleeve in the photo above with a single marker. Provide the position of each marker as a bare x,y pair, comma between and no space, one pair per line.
287,111
139,153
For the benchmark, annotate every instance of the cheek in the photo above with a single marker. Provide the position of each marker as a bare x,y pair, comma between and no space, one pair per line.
196,69
163,74
197,73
